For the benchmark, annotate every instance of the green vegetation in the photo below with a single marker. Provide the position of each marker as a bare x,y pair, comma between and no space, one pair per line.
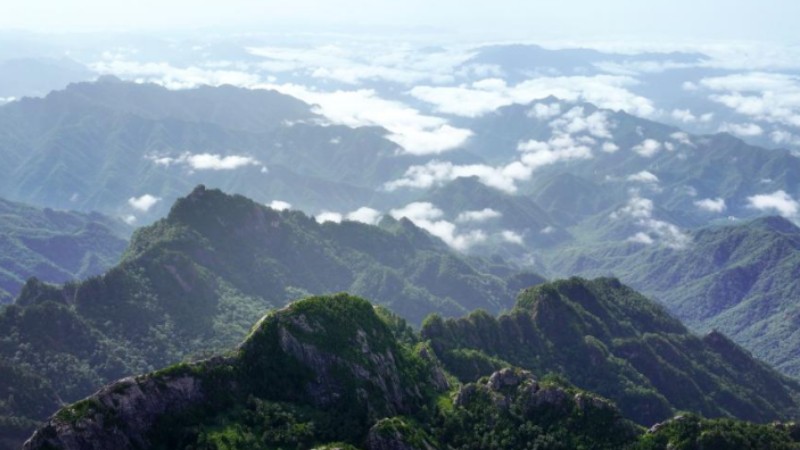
606,338
739,279
192,284
329,372
54,246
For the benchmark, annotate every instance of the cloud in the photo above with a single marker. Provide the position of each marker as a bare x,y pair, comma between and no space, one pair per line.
208,161
143,203
610,147
365,215
534,154
686,116
130,219
170,76
428,217
605,91
641,210
771,97
648,148
279,205
575,121
715,205
416,133
742,129
437,173
543,111
644,177
783,137
682,138
354,65
512,237
328,216
641,238
478,216
778,201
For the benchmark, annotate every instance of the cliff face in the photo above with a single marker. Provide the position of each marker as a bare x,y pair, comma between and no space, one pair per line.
330,354
120,415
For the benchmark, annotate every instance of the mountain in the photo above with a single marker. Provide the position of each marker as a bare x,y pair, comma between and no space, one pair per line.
740,279
606,338
54,246
614,153
22,77
99,146
194,282
332,372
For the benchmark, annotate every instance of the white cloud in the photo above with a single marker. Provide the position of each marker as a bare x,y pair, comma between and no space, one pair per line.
543,111
575,121
742,129
478,216
436,173
534,155
130,219
605,91
610,147
428,217
208,161
170,76
644,177
682,138
778,201
512,237
143,203
328,216
716,205
771,97
648,148
280,205
783,137
365,215
683,115
366,62
416,133
641,238
641,211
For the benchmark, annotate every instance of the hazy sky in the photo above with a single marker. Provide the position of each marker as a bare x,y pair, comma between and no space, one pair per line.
670,19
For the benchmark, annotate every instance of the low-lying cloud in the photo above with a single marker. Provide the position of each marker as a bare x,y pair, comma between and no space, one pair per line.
479,98
714,205
430,218
778,201
208,161
415,132
641,211
144,202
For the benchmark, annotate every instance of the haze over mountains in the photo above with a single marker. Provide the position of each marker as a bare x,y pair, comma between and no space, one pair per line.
449,184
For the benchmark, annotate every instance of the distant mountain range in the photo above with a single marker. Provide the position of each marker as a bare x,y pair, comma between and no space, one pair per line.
739,279
192,284
55,246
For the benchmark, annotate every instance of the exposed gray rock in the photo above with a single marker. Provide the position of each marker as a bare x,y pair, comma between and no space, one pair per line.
118,416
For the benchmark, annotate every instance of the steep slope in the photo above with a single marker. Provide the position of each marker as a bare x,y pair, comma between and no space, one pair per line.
194,282
54,246
329,369
607,338
740,279
331,372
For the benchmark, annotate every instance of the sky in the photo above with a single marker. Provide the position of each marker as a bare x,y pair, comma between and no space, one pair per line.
674,19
